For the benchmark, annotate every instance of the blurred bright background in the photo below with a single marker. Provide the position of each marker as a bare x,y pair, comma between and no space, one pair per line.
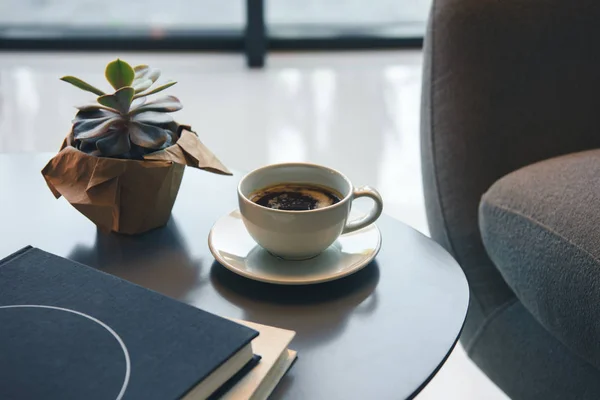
47,19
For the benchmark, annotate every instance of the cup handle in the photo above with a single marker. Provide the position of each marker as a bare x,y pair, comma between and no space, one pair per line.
372,216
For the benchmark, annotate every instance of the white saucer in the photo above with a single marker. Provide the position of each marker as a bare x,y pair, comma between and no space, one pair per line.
234,248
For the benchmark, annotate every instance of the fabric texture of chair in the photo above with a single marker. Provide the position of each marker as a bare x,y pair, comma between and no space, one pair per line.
541,227
507,84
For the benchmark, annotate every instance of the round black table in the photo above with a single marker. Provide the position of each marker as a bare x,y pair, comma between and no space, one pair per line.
381,333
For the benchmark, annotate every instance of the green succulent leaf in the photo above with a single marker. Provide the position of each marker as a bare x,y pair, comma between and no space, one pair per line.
162,104
148,136
119,74
97,128
155,90
114,144
82,85
125,124
120,100
146,72
141,84
153,118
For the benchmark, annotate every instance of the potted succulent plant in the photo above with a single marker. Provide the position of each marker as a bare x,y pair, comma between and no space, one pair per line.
123,161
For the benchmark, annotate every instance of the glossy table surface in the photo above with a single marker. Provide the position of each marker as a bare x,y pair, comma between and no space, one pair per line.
380,333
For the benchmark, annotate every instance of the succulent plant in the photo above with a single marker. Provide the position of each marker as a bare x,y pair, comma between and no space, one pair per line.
125,124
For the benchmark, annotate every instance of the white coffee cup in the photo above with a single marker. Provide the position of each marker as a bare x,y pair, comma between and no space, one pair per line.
298,235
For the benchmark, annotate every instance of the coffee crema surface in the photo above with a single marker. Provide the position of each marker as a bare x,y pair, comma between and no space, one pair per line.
295,197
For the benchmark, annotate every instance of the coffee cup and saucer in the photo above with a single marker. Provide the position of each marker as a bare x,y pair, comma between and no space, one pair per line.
295,226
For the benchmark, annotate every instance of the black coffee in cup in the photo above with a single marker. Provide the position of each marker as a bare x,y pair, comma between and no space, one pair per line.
295,197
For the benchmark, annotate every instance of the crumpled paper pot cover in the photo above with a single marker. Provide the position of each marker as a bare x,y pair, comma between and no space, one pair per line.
127,196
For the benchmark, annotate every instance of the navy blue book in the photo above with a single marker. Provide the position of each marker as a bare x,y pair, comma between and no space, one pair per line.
68,331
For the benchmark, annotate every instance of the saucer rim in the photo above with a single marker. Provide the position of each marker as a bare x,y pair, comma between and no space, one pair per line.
354,268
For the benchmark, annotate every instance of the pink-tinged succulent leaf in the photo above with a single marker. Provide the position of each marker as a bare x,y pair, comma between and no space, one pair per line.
141,85
156,89
95,107
82,85
119,74
148,136
146,72
137,102
162,104
120,100
82,116
153,118
86,129
115,143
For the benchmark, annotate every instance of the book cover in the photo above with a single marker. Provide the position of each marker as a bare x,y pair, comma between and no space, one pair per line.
70,331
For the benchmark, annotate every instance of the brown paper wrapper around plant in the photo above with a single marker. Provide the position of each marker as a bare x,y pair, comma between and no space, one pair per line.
127,196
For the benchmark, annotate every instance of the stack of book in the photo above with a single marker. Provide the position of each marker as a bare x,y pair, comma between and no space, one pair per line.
70,331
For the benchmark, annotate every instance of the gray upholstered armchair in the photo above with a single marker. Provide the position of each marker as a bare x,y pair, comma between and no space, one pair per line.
511,103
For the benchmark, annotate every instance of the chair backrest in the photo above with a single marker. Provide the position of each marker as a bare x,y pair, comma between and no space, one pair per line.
505,84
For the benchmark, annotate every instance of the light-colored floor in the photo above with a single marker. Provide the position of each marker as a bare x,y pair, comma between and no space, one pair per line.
356,112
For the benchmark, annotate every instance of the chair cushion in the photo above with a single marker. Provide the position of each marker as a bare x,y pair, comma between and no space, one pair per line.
541,227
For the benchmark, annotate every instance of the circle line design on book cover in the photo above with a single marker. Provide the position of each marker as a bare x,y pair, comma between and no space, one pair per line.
102,324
